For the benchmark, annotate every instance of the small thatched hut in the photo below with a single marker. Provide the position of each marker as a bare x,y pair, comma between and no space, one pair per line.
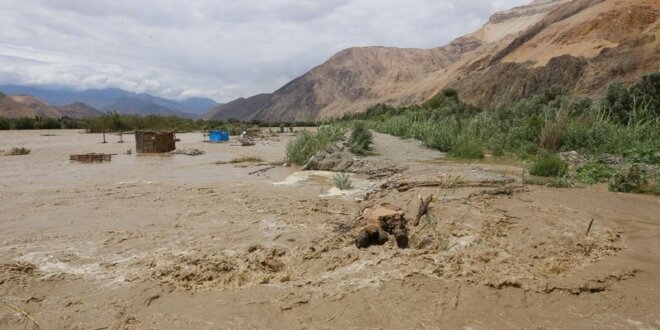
154,142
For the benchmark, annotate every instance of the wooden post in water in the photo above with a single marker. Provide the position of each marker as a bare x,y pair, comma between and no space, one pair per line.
104,136
121,137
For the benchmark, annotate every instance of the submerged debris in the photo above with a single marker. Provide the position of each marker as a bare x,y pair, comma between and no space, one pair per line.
91,157
337,157
382,220
18,151
189,152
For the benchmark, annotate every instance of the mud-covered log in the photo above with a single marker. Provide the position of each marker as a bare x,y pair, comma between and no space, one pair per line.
371,235
383,220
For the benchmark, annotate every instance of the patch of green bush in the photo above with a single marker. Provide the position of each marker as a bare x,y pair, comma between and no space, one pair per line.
361,139
24,123
548,165
593,173
648,155
47,123
342,181
439,139
300,149
4,124
467,149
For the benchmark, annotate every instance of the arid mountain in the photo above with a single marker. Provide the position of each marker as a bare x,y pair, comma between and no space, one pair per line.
577,44
12,109
15,106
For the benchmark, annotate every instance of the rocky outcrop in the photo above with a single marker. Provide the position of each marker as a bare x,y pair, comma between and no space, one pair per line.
503,82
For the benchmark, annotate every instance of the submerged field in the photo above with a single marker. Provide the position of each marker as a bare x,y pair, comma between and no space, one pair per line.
174,241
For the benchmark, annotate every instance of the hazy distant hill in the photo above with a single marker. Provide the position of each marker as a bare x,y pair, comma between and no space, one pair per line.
15,106
111,97
144,106
578,44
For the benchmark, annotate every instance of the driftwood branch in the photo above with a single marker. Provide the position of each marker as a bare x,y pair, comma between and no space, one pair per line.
589,228
423,208
21,311
261,171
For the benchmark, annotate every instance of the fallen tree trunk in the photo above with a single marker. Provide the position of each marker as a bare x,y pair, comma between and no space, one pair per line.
407,185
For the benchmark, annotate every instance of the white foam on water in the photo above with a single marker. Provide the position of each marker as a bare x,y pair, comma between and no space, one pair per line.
325,179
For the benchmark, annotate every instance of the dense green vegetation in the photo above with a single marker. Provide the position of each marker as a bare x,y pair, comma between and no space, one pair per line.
624,122
306,144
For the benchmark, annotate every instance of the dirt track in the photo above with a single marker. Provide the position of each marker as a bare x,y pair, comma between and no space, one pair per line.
181,242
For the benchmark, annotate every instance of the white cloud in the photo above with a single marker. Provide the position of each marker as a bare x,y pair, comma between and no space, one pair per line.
222,49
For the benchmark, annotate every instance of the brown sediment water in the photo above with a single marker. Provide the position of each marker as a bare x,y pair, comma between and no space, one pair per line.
174,241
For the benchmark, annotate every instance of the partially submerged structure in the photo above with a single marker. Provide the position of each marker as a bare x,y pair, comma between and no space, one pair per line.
253,132
154,142
91,158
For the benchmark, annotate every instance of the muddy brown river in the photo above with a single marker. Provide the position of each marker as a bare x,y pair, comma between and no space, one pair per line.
181,242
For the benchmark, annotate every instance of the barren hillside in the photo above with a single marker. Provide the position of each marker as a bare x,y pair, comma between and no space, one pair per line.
11,109
15,106
579,44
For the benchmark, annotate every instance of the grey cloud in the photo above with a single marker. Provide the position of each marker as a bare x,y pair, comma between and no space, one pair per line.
221,49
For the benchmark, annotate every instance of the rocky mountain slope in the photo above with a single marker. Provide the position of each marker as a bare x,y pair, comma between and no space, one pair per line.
578,44
16,106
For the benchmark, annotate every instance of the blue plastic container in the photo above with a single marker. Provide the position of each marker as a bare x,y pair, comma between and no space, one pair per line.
218,136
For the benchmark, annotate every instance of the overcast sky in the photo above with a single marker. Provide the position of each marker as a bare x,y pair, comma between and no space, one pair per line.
221,49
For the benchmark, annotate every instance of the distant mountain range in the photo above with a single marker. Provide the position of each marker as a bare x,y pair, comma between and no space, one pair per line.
112,99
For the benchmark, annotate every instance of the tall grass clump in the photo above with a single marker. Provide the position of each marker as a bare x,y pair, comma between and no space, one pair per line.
548,165
552,134
467,149
342,181
300,149
361,139
306,145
